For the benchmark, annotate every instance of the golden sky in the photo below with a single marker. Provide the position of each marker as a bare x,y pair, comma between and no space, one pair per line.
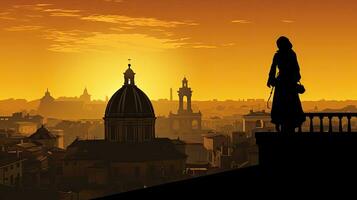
223,47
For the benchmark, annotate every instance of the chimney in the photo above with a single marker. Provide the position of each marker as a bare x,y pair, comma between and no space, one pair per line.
171,98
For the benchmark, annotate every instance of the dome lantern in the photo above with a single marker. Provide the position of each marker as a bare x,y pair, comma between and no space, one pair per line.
129,76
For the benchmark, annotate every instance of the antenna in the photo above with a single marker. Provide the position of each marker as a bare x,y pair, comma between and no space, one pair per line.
129,60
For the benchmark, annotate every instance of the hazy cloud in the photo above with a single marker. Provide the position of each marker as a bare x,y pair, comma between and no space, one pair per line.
228,44
34,16
204,46
123,33
135,21
79,41
54,12
43,4
23,28
6,16
61,10
116,1
287,21
241,21
64,14
34,7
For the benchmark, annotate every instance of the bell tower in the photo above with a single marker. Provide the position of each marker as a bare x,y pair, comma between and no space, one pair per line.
185,91
185,121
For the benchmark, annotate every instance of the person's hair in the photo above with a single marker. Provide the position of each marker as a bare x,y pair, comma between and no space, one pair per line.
284,43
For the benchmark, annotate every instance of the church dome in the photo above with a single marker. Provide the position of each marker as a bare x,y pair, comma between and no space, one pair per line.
129,101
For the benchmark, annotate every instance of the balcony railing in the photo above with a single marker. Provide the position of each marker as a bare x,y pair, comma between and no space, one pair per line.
330,116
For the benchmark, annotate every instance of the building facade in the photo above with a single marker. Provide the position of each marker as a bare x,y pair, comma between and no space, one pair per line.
10,169
257,120
185,121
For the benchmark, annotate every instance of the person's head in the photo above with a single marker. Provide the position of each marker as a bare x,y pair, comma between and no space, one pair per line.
284,43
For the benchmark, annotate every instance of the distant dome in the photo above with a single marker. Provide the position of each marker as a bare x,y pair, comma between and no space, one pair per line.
129,101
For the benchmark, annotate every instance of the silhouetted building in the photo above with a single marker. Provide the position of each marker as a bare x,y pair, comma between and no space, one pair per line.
215,143
45,138
47,98
185,121
21,123
129,117
11,169
70,107
85,97
197,159
35,165
130,155
257,120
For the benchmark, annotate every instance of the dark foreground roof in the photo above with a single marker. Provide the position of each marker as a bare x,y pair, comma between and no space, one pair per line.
42,133
158,149
289,165
13,193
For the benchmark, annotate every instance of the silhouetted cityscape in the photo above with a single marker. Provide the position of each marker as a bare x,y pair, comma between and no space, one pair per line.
133,147
79,122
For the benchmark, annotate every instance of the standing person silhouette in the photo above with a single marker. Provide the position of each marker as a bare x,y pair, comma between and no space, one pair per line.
286,112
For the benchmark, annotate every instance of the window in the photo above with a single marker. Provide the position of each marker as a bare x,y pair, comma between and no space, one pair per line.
11,166
5,169
17,165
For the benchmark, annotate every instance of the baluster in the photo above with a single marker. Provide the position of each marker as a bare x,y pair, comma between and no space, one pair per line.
321,123
340,123
330,123
311,123
349,123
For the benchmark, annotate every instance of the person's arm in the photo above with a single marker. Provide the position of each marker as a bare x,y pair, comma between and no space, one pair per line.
272,73
297,67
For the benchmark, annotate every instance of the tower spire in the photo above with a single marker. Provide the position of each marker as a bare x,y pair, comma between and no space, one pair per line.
129,75
129,64
184,82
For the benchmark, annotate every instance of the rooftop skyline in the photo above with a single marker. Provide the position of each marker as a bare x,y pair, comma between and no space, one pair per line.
221,46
